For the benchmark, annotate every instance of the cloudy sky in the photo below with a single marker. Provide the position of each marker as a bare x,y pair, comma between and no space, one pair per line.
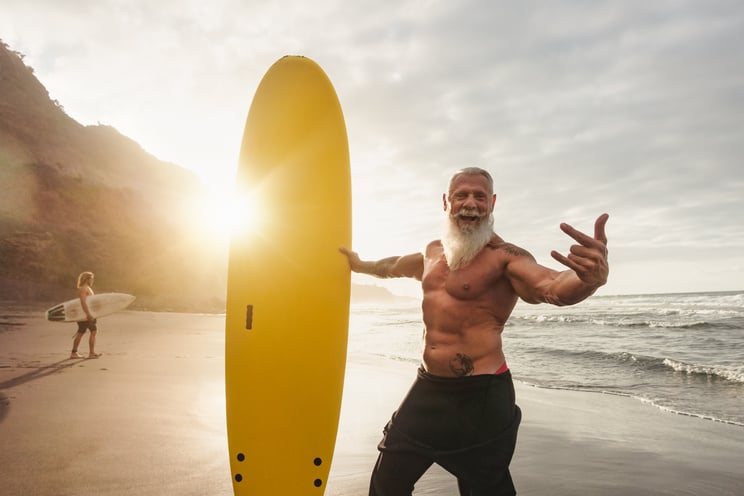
577,107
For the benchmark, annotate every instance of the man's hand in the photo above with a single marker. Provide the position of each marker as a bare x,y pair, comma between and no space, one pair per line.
353,257
588,259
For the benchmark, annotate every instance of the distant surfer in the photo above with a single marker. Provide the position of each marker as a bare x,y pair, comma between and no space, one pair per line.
85,289
460,412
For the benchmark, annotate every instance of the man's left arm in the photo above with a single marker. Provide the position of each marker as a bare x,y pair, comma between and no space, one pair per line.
588,270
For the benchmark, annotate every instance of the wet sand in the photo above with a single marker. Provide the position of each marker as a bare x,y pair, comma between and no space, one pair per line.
147,418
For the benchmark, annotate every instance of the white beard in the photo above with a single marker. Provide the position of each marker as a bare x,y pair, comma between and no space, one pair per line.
462,245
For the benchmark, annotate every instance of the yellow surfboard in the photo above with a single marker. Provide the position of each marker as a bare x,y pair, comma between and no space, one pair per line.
288,286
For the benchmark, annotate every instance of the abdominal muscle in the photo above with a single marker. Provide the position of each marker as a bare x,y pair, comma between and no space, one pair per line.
471,351
464,315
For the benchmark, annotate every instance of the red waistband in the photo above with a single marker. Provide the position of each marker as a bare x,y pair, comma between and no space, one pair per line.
502,370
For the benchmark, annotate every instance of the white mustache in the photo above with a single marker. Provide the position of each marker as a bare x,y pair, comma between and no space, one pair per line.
469,212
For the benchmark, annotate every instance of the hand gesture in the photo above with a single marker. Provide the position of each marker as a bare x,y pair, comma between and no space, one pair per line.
588,259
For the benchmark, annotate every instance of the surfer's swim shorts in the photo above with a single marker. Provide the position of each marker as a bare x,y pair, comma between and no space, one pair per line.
467,425
84,325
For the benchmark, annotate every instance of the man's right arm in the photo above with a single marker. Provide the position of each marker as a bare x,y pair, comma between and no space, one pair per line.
399,266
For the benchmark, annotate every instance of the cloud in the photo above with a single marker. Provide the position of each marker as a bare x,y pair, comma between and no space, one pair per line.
577,107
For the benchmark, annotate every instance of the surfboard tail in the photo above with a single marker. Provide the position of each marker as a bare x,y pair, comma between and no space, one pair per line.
56,314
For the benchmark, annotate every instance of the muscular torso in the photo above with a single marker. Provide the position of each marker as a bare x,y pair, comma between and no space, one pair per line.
465,311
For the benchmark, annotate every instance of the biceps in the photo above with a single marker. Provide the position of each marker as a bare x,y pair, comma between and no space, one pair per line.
409,266
530,280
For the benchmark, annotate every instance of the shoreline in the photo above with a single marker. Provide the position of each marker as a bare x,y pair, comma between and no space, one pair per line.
643,401
149,414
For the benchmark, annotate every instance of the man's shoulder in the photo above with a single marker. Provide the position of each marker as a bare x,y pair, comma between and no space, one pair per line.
497,243
436,244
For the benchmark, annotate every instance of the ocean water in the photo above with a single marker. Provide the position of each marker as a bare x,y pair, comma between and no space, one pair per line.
682,353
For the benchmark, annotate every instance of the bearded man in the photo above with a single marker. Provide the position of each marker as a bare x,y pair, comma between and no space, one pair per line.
460,412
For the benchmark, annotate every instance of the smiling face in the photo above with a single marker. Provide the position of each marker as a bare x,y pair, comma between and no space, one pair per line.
469,226
470,200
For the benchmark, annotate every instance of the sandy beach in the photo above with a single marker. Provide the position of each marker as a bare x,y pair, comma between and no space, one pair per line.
147,418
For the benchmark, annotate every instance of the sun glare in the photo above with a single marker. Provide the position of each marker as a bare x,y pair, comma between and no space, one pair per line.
228,214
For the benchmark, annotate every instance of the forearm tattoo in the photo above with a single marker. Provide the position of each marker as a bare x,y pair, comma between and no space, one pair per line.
461,365
382,267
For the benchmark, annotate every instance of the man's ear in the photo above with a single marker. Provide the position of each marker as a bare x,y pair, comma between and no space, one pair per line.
493,201
444,201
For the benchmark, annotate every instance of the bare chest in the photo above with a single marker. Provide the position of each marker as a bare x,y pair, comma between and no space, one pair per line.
475,281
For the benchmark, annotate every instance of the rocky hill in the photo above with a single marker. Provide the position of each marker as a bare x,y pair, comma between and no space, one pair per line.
76,198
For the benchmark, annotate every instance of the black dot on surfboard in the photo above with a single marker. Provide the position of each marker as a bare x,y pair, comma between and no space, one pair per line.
318,482
317,462
238,477
241,457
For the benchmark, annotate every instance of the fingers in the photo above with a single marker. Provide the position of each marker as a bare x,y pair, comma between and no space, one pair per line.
560,258
581,251
599,228
576,234
578,264
586,240
592,271
588,259
347,252
350,255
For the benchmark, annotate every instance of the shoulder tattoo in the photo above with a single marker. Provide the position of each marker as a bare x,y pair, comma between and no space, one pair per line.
515,250
461,365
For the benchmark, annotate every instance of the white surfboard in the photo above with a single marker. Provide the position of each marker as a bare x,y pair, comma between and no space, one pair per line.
99,305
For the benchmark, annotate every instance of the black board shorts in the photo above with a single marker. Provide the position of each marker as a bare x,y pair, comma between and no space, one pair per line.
84,325
467,425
